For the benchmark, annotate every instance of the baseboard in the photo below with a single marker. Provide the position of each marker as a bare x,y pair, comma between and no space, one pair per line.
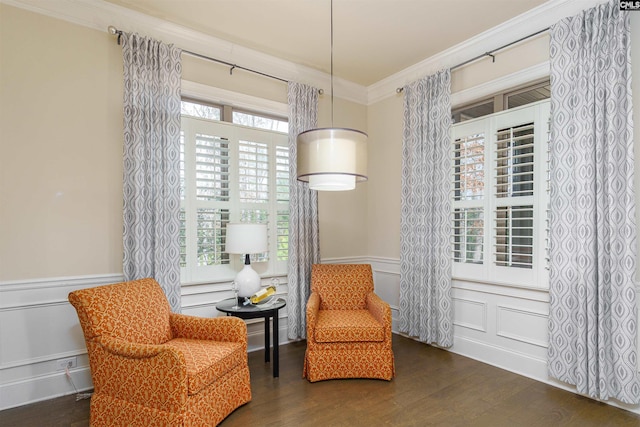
44,387
500,357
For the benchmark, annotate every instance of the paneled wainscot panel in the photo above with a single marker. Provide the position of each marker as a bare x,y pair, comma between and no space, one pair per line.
470,314
522,325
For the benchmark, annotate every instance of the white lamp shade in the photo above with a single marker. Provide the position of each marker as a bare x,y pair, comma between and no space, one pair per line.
332,159
332,182
246,238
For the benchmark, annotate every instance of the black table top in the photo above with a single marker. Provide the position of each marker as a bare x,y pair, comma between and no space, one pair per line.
226,306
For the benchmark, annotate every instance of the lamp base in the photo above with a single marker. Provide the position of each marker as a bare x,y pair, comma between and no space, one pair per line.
248,281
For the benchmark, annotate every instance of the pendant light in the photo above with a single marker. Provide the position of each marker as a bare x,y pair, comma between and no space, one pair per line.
332,159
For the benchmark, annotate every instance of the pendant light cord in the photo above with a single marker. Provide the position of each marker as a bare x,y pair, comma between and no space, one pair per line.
331,63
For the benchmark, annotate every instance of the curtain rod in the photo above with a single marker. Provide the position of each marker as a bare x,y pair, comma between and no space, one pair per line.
490,53
114,31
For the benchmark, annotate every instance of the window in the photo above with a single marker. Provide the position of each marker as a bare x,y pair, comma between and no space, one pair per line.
528,95
231,173
516,97
259,121
468,112
200,109
499,196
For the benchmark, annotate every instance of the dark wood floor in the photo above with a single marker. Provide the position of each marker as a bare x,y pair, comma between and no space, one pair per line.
432,387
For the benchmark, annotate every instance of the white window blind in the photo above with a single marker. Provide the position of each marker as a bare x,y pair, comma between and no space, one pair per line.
211,232
468,164
212,168
514,236
282,174
231,173
514,161
514,183
282,200
253,172
499,197
468,198
468,235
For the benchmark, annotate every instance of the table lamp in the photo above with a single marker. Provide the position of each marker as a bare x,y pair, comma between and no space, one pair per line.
245,239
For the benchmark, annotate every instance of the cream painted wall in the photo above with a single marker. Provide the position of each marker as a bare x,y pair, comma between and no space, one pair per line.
343,216
385,170
60,148
61,161
518,57
217,75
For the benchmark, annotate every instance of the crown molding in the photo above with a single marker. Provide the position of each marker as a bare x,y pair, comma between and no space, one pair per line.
98,15
535,20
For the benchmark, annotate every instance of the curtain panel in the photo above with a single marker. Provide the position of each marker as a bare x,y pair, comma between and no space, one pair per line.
425,224
593,309
304,240
152,74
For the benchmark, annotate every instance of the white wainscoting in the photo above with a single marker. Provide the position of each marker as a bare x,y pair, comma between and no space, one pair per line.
499,325
38,326
504,326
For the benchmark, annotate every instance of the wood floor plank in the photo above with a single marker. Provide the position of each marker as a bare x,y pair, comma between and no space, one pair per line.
432,387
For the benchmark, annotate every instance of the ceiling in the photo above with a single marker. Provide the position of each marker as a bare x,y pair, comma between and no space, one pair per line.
372,39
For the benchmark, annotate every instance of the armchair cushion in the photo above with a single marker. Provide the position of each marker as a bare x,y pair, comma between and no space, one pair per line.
347,326
207,361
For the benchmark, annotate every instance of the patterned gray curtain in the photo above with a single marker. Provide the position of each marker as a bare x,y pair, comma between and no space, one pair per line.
304,241
593,312
425,219
152,73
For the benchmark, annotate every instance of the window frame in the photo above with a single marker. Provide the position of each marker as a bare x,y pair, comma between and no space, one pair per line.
488,272
193,273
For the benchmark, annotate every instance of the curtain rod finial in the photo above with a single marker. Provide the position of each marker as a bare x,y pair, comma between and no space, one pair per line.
112,30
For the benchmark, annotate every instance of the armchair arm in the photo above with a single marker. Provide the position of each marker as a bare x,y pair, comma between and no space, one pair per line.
313,305
228,328
150,375
381,311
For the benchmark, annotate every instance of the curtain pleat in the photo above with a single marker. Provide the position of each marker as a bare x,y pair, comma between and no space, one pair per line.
425,225
152,74
593,309
304,241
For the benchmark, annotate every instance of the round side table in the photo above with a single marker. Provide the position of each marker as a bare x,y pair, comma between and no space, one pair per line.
266,311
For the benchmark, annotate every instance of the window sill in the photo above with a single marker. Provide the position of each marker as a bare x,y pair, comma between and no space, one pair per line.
501,288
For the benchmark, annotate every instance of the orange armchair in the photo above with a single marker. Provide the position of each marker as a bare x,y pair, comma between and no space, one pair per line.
152,367
348,325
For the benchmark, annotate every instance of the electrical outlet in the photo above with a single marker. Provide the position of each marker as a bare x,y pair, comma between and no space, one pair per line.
67,363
